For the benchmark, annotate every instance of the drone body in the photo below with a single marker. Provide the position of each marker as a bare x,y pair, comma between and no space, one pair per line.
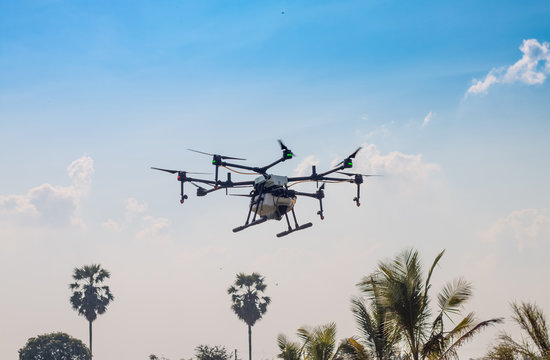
271,197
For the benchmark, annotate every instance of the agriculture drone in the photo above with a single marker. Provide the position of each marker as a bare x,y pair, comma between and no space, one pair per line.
271,197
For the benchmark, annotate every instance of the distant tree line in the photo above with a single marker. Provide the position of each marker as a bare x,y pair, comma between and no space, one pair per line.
394,315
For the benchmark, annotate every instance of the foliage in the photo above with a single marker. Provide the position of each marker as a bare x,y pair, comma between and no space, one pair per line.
54,346
205,352
351,349
89,298
289,350
532,321
319,342
404,291
377,337
248,304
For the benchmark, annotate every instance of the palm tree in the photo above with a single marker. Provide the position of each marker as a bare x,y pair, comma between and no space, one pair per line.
89,298
319,342
532,321
289,350
248,303
377,337
405,293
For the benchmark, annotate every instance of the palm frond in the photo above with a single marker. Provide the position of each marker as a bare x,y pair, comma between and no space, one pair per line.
532,320
451,352
453,296
350,349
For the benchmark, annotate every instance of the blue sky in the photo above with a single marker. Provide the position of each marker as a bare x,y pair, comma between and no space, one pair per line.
448,99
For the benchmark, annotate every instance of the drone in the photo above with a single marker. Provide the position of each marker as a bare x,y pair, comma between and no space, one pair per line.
271,197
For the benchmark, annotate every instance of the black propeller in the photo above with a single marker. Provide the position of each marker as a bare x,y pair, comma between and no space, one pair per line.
347,161
283,146
352,174
287,153
223,157
179,171
352,156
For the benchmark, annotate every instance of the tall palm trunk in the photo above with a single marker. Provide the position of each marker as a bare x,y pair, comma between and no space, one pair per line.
90,339
249,342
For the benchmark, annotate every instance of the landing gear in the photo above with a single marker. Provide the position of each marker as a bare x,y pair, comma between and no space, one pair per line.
296,228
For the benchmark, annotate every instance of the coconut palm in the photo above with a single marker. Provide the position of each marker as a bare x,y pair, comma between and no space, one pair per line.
320,342
89,297
404,291
248,304
532,321
377,337
351,349
290,350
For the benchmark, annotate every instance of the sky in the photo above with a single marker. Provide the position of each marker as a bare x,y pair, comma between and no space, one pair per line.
448,100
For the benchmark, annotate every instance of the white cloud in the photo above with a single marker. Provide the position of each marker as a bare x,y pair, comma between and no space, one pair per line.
527,227
395,164
153,227
531,69
427,119
136,217
134,206
56,205
304,167
110,224
81,171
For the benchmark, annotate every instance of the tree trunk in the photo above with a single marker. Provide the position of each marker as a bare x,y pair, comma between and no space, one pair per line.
90,339
249,342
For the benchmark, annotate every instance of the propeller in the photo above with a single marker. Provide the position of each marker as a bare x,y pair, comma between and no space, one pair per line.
283,146
287,152
352,156
223,157
353,174
348,159
179,171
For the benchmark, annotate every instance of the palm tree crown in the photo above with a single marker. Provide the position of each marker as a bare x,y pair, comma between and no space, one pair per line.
377,339
248,304
404,292
89,298
536,346
290,350
319,342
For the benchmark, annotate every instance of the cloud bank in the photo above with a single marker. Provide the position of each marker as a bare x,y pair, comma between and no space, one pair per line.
527,227
406,166
135,216
56,205
531,69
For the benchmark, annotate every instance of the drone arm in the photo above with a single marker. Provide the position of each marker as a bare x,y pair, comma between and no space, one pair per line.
358,180
238,166
319,195
341,167
183,196
262,170
202,181
356,199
